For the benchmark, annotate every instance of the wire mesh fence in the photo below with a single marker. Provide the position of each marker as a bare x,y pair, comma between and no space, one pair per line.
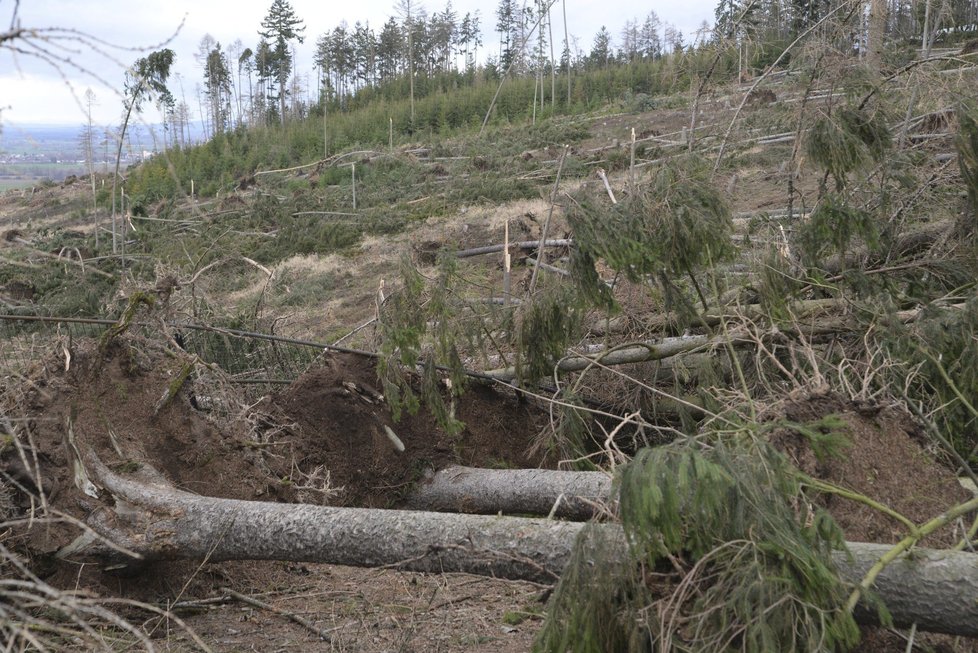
257,360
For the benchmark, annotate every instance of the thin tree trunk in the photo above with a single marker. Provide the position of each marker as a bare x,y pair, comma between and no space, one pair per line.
875,33
115,174
567,49
90,154
553,62
937,590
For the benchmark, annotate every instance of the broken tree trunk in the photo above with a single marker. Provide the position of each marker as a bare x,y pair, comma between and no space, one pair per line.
937,590
569,495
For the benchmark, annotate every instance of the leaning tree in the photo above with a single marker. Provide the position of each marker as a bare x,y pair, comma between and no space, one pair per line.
146,79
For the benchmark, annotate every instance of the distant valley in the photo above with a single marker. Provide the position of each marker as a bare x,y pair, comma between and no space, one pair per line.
33,154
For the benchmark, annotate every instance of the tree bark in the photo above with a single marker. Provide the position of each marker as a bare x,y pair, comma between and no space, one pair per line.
568,495
875,33
937,590
159,522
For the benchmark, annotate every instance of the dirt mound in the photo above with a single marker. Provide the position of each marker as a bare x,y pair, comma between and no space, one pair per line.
323,433
334,418
885,460
323,440
112,401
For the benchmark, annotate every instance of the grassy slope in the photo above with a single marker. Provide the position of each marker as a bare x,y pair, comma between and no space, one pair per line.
441,182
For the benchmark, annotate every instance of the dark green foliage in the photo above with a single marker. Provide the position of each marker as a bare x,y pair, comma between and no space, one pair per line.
147,78
939,356
595,607
832,227
824,436
757,570
589,285
678,222
403,327
967,146
76,294
60,288
847,140
639,102
547,324
300,235
408,340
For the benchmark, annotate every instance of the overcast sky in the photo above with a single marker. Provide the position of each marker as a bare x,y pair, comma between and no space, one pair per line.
32,92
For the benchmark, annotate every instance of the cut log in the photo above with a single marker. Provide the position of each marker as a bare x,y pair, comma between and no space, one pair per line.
569,495
937,590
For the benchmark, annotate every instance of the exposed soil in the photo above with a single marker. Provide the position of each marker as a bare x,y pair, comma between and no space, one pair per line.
336,419
884,460
321,440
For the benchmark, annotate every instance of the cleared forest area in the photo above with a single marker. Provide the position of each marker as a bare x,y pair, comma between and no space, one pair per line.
693,371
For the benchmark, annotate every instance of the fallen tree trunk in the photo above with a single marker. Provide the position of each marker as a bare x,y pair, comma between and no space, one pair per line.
522,244
906,246
937,590
646,351
811,322
809,317
569,495
158,522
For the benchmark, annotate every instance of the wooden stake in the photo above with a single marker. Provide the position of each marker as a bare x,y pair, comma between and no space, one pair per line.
631,167
507,263
353,175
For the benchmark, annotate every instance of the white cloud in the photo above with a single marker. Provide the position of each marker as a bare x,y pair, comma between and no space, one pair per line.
33,98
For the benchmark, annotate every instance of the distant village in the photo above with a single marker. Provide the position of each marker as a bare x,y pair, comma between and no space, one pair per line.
29,154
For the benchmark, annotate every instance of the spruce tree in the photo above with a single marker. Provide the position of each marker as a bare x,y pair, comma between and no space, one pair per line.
280,27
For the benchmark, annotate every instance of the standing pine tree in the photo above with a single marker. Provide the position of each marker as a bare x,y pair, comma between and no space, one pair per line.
506,20
279,27
389,47
217,86
601,51
408,10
